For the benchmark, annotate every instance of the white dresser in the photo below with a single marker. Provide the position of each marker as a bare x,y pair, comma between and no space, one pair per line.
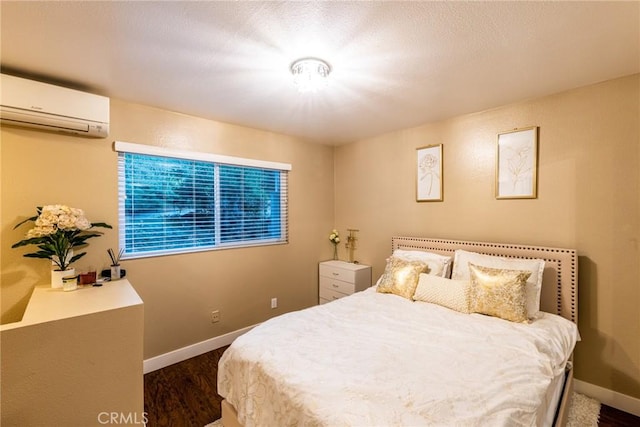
339,279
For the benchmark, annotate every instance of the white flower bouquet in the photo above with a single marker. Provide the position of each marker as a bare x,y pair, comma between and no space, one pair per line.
58,229
334,237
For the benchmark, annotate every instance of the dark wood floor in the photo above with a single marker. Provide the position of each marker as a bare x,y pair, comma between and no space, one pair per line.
611,417
185,394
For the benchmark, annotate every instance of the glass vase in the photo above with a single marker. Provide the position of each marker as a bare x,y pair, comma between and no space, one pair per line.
335,252
115,272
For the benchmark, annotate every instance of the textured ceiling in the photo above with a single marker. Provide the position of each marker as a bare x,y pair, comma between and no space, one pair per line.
395,64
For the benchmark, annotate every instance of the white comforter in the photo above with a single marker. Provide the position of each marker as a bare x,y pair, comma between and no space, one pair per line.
380,360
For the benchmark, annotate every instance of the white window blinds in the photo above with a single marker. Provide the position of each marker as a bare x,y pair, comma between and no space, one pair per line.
175,201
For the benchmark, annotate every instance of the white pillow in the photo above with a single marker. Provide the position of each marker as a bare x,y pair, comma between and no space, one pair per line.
534,282
453,294
438,264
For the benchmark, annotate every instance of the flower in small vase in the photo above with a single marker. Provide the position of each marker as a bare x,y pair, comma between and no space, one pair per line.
334,238
58,230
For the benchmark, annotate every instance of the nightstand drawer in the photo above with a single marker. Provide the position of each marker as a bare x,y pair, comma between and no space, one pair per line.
337,285
337,273
330,295
338,279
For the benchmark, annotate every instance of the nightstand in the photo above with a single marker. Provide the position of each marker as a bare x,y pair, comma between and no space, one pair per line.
339,279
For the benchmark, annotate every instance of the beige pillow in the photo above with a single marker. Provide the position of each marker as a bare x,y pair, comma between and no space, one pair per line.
401,277
453,294
462,259
499,292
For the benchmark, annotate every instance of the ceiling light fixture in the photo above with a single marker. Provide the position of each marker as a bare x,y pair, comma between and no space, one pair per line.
310,74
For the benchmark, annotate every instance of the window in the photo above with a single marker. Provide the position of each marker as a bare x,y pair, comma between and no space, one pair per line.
174,201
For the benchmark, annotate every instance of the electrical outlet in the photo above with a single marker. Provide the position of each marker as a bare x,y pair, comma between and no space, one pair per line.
274,302
215,316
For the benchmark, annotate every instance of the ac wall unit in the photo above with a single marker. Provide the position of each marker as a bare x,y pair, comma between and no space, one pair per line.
32,104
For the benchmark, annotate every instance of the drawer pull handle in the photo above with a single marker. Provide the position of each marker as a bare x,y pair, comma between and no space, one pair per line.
334,285
336,274
335,297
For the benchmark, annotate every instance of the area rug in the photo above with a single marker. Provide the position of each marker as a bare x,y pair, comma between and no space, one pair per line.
583,412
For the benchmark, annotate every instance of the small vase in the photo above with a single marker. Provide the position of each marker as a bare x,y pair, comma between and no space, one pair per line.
335,252
57,275
115,272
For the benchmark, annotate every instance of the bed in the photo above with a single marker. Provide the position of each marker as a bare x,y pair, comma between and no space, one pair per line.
377,358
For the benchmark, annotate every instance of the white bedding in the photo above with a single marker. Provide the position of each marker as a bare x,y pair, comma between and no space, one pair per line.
376,359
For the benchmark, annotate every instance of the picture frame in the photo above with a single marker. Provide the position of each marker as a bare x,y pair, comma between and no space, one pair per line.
517,164
429,173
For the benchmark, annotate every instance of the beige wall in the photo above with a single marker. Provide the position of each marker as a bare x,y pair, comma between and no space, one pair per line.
179,291
588,199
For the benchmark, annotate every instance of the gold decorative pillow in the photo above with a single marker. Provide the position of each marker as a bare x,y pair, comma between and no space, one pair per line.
401,277
534,282
498,292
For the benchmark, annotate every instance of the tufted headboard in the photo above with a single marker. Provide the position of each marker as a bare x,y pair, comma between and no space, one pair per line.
560,280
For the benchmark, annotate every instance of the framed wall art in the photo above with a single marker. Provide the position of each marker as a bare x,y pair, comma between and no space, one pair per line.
517,164
429,173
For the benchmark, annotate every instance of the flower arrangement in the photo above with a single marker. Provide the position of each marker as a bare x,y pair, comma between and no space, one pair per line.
58,230
334,238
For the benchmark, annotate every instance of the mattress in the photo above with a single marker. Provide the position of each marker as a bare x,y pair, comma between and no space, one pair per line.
379,359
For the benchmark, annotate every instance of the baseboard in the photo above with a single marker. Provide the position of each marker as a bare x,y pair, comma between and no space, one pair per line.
184,353
609,397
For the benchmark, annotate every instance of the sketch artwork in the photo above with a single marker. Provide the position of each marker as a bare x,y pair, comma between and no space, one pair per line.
429,173
516,164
